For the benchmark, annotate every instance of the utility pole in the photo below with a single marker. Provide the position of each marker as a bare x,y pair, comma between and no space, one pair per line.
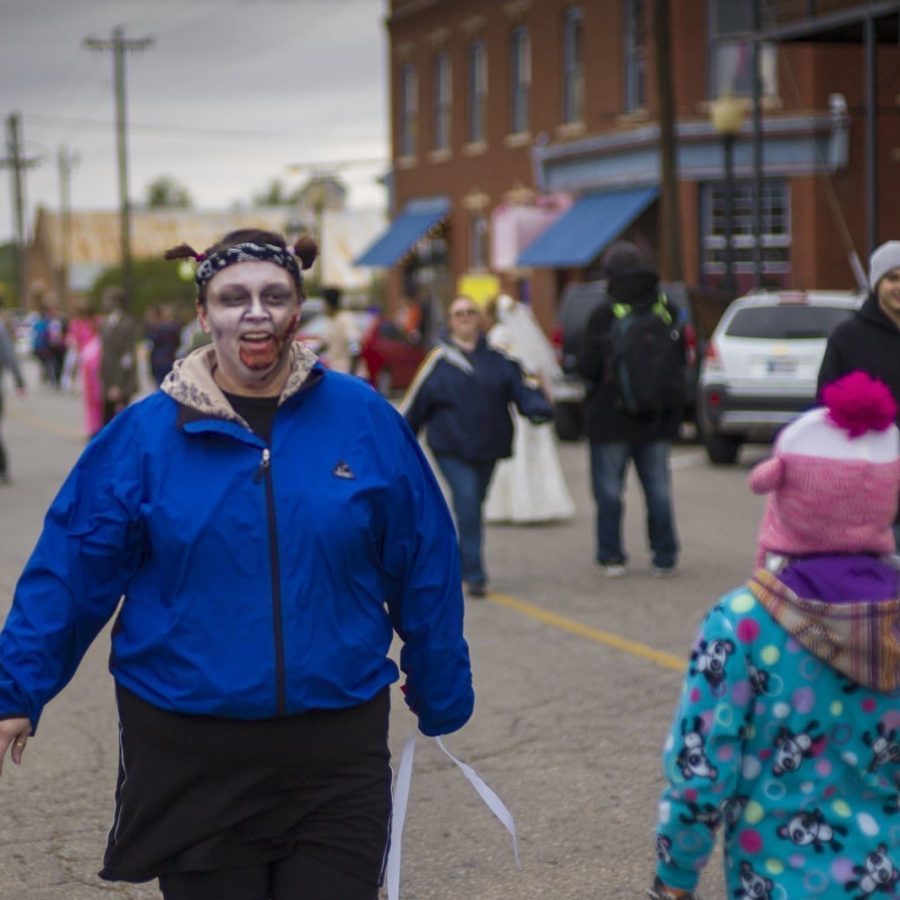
119,45
670,232
65,161
17,165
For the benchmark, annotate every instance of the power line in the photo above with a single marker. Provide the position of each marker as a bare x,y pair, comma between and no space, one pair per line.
248,134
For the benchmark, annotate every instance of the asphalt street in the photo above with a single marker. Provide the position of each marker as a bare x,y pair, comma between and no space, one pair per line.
576,677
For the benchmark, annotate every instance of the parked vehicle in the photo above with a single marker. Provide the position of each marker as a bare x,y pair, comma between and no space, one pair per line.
390,356
761,365
578,302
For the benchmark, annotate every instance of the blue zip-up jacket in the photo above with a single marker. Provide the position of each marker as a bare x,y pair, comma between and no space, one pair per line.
463,400
258,580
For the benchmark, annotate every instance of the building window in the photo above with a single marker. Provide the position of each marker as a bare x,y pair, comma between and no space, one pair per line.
442,101
479,241
409,110
477,92
520,81
731,60
635,54
573,66
775,227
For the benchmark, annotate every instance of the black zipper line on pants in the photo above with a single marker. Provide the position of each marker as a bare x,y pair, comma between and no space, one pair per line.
265,472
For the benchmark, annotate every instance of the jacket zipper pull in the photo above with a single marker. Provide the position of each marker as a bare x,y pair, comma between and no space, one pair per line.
263,466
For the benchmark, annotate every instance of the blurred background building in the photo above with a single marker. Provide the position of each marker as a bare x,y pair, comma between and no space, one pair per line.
741,143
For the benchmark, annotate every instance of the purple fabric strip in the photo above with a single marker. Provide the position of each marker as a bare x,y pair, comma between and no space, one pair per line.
841,579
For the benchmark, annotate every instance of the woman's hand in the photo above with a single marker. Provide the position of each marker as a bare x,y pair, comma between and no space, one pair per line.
13,733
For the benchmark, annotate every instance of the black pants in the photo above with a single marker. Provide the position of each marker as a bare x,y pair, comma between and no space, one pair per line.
293,808
299,877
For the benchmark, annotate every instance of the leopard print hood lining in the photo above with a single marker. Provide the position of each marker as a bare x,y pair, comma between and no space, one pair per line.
191,382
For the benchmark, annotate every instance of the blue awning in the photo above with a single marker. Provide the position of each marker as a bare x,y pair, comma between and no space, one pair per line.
415,220
581,232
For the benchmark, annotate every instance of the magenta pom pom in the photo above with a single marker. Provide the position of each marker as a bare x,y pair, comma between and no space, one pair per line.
859,403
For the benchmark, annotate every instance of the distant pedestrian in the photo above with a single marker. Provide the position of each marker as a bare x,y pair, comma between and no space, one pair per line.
8,360
461,396
870,340
118,361
341,350
48,342
163,334
617,433
57,333
787,730
260,527
89,366
529,487
410,318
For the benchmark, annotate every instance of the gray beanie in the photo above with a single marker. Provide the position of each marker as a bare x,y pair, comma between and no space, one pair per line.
885,258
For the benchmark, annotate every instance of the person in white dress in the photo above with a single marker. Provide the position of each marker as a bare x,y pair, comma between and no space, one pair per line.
530,486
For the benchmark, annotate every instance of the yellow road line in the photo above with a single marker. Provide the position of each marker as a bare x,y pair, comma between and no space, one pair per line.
45,425
659,657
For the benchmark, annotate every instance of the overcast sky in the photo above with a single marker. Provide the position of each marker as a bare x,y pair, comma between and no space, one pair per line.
230,93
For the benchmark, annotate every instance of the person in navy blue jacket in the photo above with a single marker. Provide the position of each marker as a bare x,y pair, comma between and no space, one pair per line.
461,396
267,524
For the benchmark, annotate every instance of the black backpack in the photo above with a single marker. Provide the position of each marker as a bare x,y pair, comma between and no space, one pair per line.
647,358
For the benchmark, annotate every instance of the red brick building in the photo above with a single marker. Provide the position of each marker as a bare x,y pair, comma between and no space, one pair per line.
527,136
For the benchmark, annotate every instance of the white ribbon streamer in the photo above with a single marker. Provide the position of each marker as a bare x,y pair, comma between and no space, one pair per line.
398,816
401,802
494,803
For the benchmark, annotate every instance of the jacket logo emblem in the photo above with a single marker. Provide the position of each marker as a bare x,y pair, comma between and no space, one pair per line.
343,470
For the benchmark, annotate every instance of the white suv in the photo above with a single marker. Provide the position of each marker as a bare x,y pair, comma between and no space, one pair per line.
762,363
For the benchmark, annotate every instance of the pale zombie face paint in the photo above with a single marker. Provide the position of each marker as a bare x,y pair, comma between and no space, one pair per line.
251,314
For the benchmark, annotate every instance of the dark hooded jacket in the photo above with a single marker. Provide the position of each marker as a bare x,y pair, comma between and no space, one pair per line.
870,342
606,419
462,399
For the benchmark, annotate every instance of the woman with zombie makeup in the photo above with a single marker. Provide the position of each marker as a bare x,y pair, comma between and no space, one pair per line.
267,525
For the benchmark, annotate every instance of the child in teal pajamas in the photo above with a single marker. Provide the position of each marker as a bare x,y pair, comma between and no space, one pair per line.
788,726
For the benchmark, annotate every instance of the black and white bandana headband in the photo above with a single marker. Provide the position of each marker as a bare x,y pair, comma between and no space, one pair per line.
246,252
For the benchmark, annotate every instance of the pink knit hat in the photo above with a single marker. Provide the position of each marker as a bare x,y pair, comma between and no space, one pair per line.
833,479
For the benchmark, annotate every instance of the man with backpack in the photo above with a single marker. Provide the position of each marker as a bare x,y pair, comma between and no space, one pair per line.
632,354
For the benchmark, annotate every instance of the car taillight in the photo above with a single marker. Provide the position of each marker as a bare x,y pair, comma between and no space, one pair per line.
556,338
711,355
690,344
714,399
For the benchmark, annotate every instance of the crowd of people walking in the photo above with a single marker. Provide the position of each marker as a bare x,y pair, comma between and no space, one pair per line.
765,741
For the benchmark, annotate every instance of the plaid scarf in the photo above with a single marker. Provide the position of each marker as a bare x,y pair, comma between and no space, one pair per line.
860,638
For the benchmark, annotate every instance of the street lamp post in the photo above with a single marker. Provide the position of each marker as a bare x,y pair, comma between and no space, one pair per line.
727,113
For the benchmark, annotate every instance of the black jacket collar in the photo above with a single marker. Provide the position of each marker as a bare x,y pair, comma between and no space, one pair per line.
872,312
